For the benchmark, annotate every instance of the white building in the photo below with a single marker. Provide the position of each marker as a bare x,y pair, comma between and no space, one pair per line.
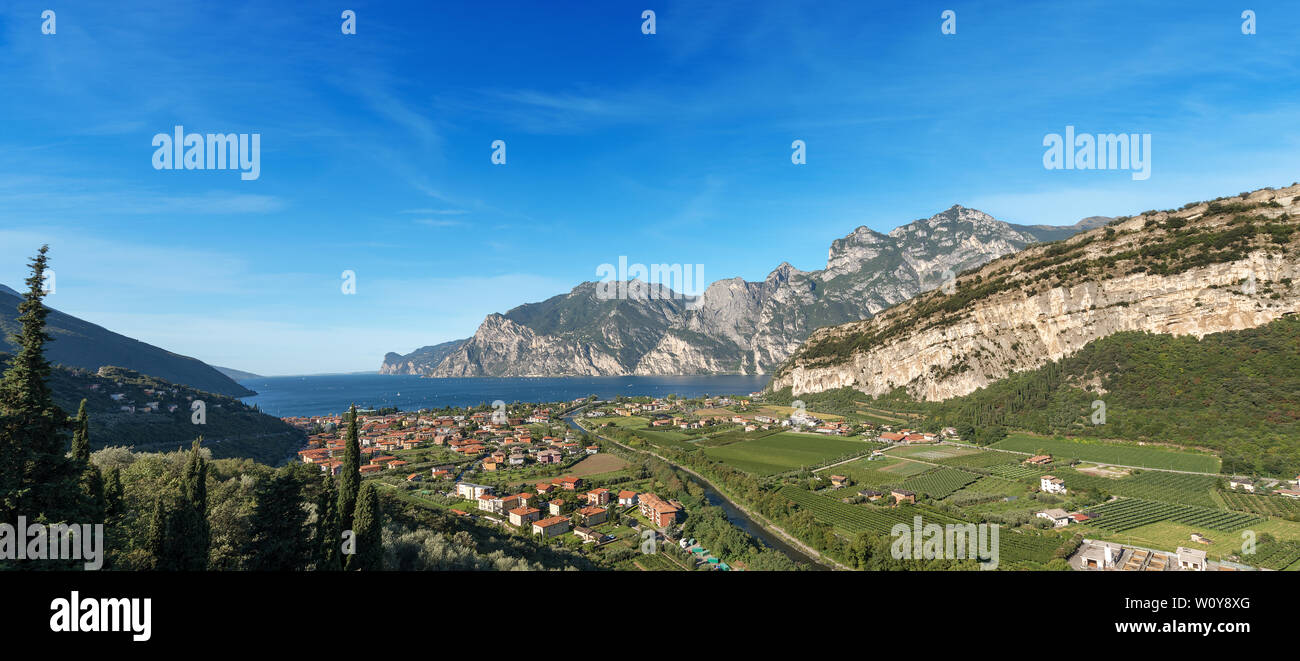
1051,484
1191,559
1056,515
470,491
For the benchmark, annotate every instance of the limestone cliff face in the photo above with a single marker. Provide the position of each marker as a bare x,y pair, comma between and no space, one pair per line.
1230,265
734,326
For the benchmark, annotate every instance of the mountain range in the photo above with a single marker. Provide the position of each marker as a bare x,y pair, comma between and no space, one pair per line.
1208,267
734,326
79,343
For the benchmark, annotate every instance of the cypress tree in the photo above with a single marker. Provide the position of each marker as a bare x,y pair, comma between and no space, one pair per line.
280,539
369,554
192,537
113,492
81,436
156,539
351,476
328,531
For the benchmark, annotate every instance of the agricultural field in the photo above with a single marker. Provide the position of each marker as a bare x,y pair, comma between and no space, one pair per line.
1279,506
1128,513
626,422
866,473
1274,555
934,453
667,438
785,411
786,451
1015,546
1016,471
1111,453
981,459
995,486
854,519
940,483
1180,488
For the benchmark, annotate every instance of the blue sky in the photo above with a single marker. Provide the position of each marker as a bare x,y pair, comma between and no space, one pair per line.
665,148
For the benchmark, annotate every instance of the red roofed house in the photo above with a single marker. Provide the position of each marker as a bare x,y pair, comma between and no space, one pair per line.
556,525
522,516
598,497
660,512
593,515
627,498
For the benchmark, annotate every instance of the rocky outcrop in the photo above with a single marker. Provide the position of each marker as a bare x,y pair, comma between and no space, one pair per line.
734,326
1210,267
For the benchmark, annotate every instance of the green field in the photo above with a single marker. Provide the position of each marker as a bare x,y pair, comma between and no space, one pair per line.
854,519
1279,506
1111,453
940,483
786,451
986,459
1127,513
1181,488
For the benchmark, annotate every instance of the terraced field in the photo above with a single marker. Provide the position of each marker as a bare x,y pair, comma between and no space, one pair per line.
940,483
1128,513
1111,453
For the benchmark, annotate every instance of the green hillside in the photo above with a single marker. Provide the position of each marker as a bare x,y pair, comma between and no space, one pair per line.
1235,392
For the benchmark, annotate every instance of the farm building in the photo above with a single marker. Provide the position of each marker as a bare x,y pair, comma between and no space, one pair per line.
1191,559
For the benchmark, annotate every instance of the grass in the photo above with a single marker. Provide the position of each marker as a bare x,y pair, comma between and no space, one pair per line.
786,451
1111,453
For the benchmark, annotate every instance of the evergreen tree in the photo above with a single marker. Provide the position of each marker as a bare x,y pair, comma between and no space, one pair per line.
36,478
328,531
369,536
351,476
113,492
192,536
156,539
81,436
279,537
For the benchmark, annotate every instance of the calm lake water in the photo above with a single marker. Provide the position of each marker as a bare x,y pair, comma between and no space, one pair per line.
326,394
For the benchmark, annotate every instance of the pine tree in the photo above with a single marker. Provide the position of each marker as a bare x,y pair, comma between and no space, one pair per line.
81,436
36,478
279,537
350,478
369,538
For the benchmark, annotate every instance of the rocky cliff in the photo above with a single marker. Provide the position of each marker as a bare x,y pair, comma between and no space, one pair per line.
735,326
1230,264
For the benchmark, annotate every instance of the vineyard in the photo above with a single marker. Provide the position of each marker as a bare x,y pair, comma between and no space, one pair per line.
854,519
1279,506
1128,513
1275,555
1111,453
984,459
1181,488
940,483
1019,547
1016,471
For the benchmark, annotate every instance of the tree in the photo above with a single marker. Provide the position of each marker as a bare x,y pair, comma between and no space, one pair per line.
279,538
328,530
351,476
192,536
81,436
36,478
369,554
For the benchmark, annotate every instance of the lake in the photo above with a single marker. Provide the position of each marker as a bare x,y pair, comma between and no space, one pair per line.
333,393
